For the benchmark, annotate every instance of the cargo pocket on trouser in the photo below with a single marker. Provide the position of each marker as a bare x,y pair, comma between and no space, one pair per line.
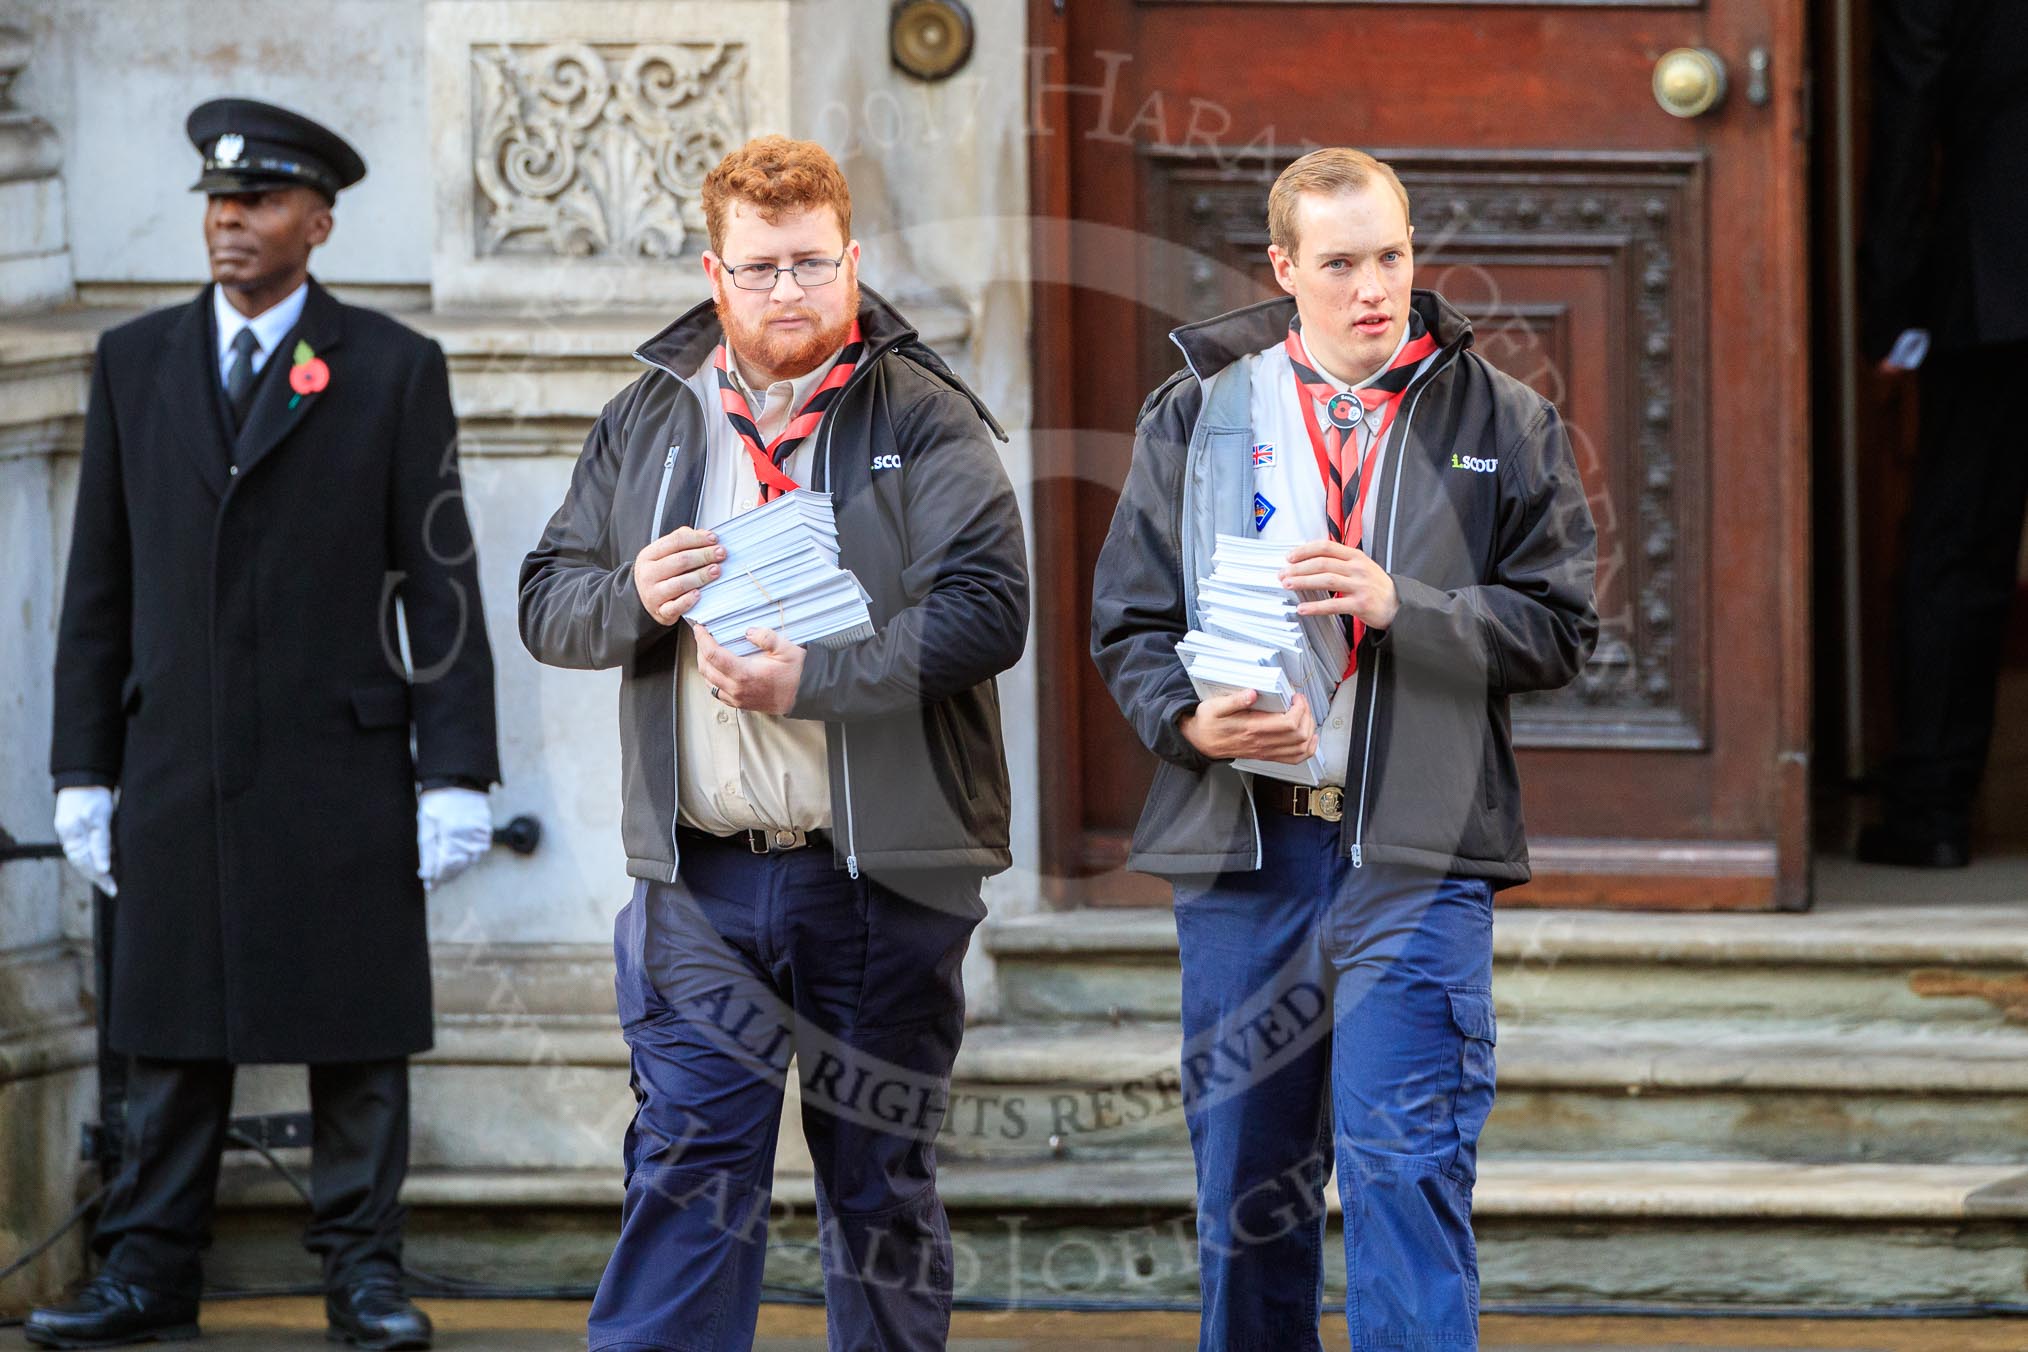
1472,1013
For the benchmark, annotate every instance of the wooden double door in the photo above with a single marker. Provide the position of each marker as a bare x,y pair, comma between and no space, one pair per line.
1645,270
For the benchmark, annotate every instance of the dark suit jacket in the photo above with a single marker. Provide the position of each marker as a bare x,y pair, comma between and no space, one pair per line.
1950,91
228,657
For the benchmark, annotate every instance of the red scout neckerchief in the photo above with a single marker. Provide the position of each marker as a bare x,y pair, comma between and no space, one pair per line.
1348,478
768,463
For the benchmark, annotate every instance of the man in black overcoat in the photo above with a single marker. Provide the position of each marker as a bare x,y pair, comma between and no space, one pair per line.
1944,264
266,473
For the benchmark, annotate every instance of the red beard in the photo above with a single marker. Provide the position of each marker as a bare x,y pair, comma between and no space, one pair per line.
785,356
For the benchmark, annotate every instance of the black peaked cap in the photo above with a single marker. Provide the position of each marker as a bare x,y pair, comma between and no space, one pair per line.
249,145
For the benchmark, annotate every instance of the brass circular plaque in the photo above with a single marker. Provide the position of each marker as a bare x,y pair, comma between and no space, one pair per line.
930,39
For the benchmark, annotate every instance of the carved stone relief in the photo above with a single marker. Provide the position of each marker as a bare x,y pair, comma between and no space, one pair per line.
571,141
600,150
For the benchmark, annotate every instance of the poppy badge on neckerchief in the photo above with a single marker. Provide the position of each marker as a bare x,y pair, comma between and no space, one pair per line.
770,462
1348,476
1345,411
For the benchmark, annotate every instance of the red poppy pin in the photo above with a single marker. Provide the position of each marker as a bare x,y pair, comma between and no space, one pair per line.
308,375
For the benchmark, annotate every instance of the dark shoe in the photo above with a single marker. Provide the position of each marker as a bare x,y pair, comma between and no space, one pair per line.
375,1314
113,1313
1886,845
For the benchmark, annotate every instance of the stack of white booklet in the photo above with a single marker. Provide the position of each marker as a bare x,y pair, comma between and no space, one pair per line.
781,572
1249,637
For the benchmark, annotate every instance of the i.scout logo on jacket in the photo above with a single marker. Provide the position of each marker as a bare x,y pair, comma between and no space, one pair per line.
1474,463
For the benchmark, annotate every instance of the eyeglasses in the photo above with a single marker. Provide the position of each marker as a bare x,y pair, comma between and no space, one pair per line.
766,276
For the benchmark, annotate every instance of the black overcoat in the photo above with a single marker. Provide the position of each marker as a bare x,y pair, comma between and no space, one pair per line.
1947,175
229,656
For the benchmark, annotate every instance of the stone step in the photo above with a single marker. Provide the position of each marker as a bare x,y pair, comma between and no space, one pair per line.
1578,1231
1507,1188
1639,1093
1963,966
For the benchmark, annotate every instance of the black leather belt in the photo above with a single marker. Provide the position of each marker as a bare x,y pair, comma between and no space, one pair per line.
1297,800
757,842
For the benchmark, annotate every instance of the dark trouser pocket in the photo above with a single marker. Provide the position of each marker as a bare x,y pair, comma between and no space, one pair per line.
1472,1013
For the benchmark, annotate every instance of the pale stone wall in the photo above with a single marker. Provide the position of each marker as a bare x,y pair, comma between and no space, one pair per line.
46,1038
536,347
939,181
117,78
34,245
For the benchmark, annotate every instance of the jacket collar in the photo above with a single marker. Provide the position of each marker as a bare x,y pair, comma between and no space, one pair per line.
683,347
1211,345
277,409
187,383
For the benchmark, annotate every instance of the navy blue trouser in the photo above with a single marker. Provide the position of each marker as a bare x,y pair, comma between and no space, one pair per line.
1336,1015
721,977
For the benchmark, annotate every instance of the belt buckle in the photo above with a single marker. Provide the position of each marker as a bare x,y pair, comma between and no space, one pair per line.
773,842
1328,803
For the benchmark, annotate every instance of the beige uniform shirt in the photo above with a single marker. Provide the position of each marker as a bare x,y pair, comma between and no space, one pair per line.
739,771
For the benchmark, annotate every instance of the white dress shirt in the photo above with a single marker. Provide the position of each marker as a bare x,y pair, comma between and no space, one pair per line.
270,326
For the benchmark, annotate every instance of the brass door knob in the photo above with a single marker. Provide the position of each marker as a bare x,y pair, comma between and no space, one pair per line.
1689,81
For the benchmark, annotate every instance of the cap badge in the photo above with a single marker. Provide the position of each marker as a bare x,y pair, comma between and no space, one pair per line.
227,152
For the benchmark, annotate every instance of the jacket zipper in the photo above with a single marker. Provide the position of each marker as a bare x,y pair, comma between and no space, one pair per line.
1373,704
1245,781
662,494
845,774
675,677
844,733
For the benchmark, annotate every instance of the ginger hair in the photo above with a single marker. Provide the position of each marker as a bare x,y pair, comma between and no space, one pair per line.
775,175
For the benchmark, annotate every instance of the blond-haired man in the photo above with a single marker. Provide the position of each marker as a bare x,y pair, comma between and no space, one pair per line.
1337,941
809,827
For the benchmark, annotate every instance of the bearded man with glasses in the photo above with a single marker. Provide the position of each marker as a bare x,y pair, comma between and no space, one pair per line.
809,826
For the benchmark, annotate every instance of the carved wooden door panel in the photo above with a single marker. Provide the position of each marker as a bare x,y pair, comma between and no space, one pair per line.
1642,269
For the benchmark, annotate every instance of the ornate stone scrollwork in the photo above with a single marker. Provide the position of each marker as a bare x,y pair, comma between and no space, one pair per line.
592,150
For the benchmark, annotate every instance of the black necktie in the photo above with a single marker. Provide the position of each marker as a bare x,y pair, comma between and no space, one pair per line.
239,378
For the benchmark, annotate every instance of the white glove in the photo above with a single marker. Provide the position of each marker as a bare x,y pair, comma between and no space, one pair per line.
453,830
84,823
